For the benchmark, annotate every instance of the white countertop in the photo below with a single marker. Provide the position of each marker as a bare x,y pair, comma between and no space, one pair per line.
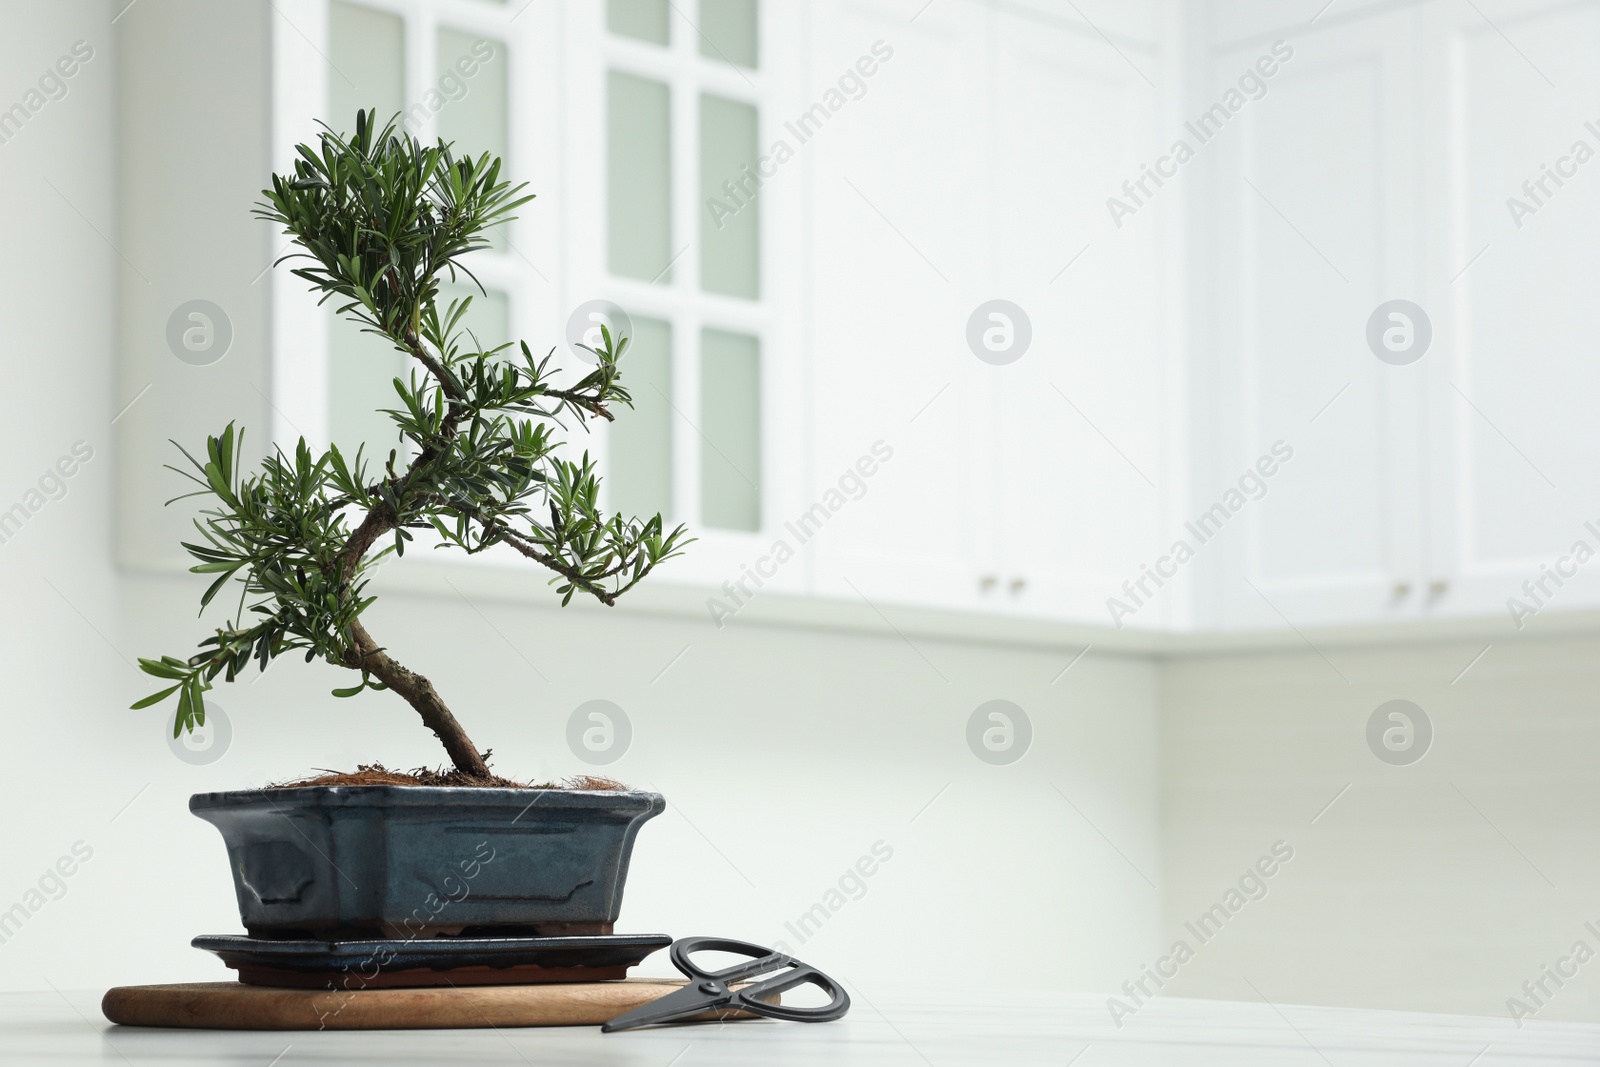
932,1030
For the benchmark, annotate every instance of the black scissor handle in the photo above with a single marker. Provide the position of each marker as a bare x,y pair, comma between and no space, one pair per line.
763,961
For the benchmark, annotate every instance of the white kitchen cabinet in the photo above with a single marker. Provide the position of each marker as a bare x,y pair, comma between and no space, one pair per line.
1031,487
1078,421
941,156
1235,22
1380,166
1511,485
1311,221
892,274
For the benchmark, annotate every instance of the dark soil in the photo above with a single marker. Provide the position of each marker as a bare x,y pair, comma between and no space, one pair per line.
378,774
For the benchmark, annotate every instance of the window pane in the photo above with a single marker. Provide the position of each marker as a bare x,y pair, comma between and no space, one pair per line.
488,318
730,418
644,19
730,229
639,178
472,93
367,51
728,31
639,478
361,368
471,100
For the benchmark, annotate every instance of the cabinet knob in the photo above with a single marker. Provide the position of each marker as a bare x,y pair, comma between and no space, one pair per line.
987,583
1401,590
1438,588
1018,585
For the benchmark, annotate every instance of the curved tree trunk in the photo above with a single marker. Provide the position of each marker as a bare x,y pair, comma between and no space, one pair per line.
417,691
420,694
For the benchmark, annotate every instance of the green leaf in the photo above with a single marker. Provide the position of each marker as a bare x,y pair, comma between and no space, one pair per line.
160,669
153,698
180,722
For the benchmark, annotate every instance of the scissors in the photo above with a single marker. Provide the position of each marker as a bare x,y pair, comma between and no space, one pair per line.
711,991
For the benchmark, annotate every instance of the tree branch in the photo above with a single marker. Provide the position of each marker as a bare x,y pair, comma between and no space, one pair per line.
377,523
584,402
368,658
566,570
435,368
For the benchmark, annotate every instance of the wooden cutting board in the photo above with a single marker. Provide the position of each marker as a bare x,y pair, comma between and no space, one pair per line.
236,1006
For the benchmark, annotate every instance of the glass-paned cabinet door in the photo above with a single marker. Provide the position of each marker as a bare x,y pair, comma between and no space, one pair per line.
684,112
639,177
639,480
367,52
728,31
730,418
644,20
442,81
487,323
474,112
730,232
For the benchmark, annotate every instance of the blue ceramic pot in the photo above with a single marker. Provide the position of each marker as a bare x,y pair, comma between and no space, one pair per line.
419,861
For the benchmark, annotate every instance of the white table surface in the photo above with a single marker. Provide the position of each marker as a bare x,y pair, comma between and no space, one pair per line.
928,1030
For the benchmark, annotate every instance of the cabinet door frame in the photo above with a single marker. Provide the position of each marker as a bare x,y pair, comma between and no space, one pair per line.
892,262
1240,593
556,124
1466,577
718,556
301,77
948,393
1082,398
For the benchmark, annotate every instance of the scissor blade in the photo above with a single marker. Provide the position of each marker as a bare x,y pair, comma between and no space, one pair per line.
679,1004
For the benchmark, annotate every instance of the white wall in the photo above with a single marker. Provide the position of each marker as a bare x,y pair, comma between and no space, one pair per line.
1440,886
785,754
57,282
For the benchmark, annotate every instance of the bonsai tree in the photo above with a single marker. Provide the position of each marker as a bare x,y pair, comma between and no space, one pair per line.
383,220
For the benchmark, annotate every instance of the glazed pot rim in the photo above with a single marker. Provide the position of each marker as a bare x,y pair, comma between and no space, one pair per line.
430,796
